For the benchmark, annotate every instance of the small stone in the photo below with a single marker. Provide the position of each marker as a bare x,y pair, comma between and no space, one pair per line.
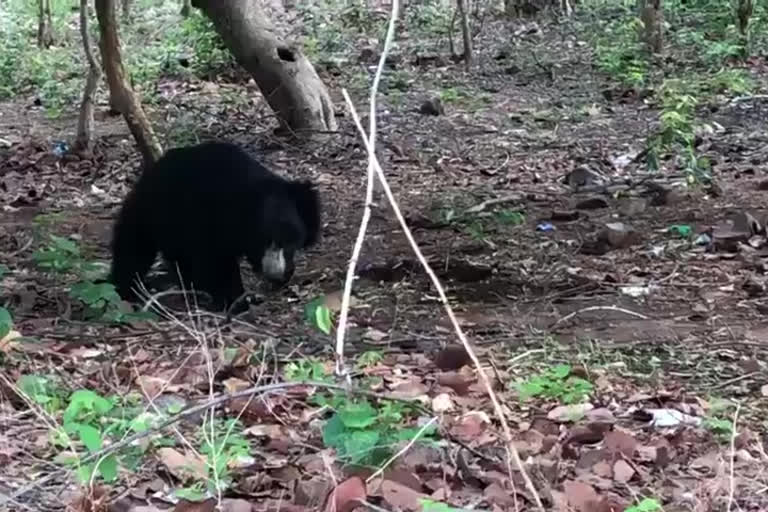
619,235
592,203
432,107
632,206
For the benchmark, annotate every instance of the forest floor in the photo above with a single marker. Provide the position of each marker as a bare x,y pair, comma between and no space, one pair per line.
660,321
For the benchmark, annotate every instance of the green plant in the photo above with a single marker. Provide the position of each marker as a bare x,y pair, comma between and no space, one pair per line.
44,391
510,217
222,443
61,255
646,505
556,383
319,315
619,53
369,358
100,299
83,418
720,426
362,434
306,369
677,130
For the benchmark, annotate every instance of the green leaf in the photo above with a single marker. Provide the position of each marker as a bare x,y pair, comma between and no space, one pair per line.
360,444
561,371
357,414
85,400
323,319
6,322
84,473
108,468
90,437
334,432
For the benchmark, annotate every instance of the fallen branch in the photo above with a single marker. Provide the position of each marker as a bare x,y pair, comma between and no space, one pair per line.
510,447
345,298
598,308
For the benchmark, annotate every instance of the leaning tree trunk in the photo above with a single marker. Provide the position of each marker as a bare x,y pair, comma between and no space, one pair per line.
119,88
285,76
85,121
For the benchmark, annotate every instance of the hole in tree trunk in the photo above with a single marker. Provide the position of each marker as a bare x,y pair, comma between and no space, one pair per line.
286,54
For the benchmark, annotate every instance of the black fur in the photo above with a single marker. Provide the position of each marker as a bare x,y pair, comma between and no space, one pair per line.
203,208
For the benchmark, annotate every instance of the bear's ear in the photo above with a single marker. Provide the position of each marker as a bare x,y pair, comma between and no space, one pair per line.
307,201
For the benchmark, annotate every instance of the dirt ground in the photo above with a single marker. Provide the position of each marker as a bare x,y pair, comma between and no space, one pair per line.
669,323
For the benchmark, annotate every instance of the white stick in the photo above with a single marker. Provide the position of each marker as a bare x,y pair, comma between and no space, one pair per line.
511,450
342,327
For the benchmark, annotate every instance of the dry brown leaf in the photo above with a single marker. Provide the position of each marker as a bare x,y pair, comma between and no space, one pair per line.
7,344
442,403
183,505
312,491
566,413
404,477
333,300
154,386
581,496
235,505
346,496
529,443
495,494
409,388
470,426
401,496
233,384
182,466
456,381
618,442
622,471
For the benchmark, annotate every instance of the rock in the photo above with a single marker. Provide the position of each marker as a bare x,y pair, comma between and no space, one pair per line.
632,206
738,229
583,177
432,107
564,215
592,203
618,235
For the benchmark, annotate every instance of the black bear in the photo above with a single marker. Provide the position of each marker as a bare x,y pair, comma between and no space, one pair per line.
204,207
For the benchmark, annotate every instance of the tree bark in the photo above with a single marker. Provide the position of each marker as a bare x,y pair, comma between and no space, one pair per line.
119,87
186,8
744,10
284,75
126,5
466,35
44,24
85,120
653,24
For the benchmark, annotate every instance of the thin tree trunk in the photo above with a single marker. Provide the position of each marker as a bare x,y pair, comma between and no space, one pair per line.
744,9
85,121
120,90
186,8
126,5
653,24
44,24
465,33
284,75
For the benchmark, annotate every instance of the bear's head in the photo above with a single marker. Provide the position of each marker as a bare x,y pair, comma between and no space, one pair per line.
289,222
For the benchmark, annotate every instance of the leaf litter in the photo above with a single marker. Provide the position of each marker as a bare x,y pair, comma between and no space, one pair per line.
641,433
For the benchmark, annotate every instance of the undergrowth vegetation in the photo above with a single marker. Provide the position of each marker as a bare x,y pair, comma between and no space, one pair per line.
706,62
